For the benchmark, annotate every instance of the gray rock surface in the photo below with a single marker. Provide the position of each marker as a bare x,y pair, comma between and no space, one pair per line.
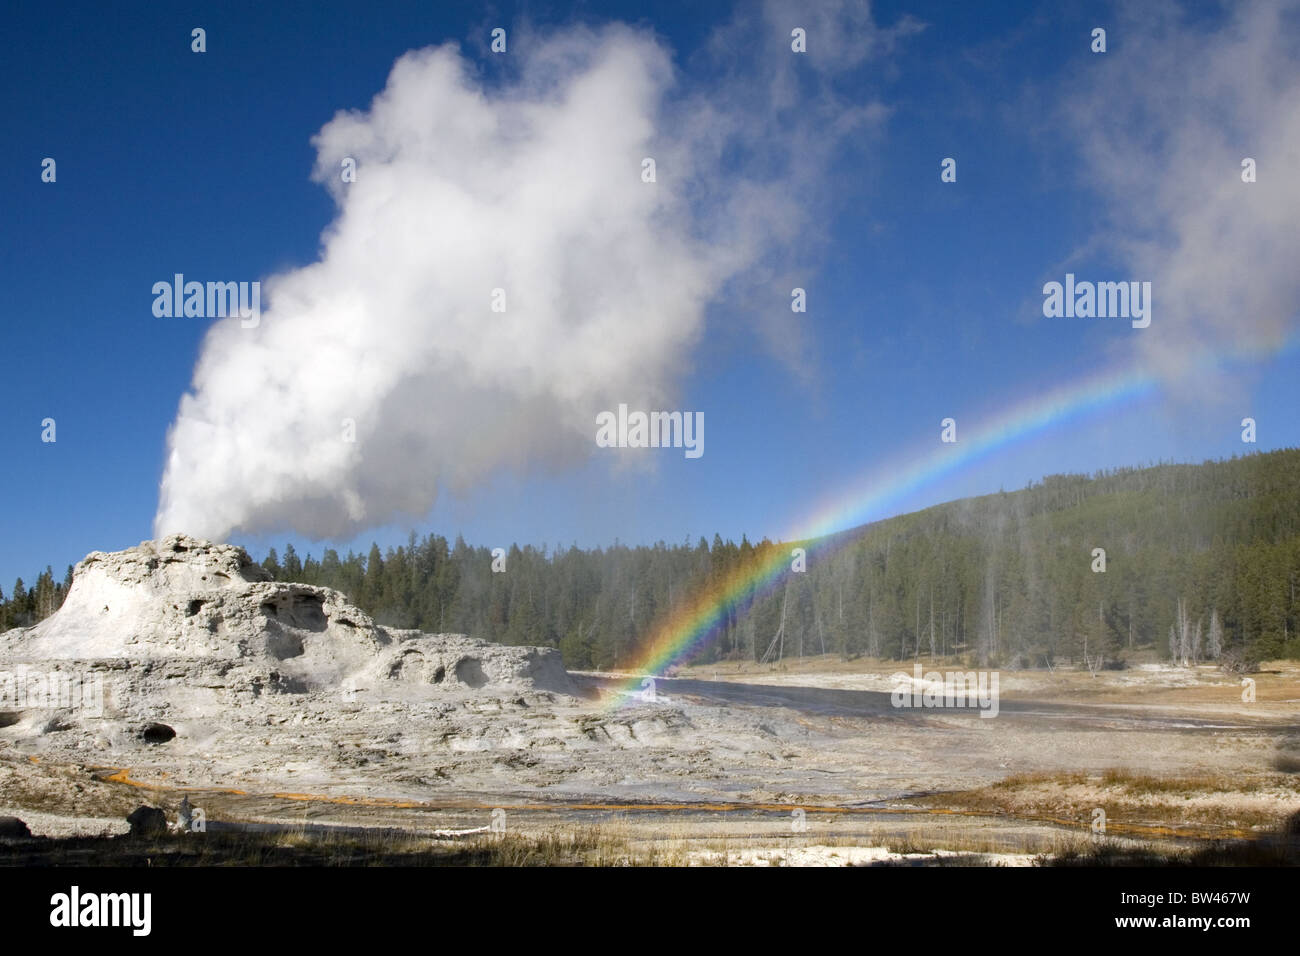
178,666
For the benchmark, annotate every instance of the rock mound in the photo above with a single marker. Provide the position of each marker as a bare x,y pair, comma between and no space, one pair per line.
147,821
179,664
182,599
12,828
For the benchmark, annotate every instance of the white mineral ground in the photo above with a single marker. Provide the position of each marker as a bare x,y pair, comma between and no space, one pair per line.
290,705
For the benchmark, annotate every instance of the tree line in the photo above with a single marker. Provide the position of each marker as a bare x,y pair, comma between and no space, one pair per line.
26,606
1196,562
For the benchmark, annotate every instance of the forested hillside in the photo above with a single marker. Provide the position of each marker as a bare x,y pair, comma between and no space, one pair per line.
1200,561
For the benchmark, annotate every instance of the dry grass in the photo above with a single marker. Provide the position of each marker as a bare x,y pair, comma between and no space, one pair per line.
1182,786
321,847
605,846
1223,804
1270,851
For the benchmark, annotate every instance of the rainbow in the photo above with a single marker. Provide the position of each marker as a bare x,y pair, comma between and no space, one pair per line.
700,618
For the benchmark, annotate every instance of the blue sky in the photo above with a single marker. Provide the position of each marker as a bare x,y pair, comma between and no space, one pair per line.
924,297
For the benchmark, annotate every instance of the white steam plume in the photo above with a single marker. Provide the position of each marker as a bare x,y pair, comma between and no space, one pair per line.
1163,122
534,187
